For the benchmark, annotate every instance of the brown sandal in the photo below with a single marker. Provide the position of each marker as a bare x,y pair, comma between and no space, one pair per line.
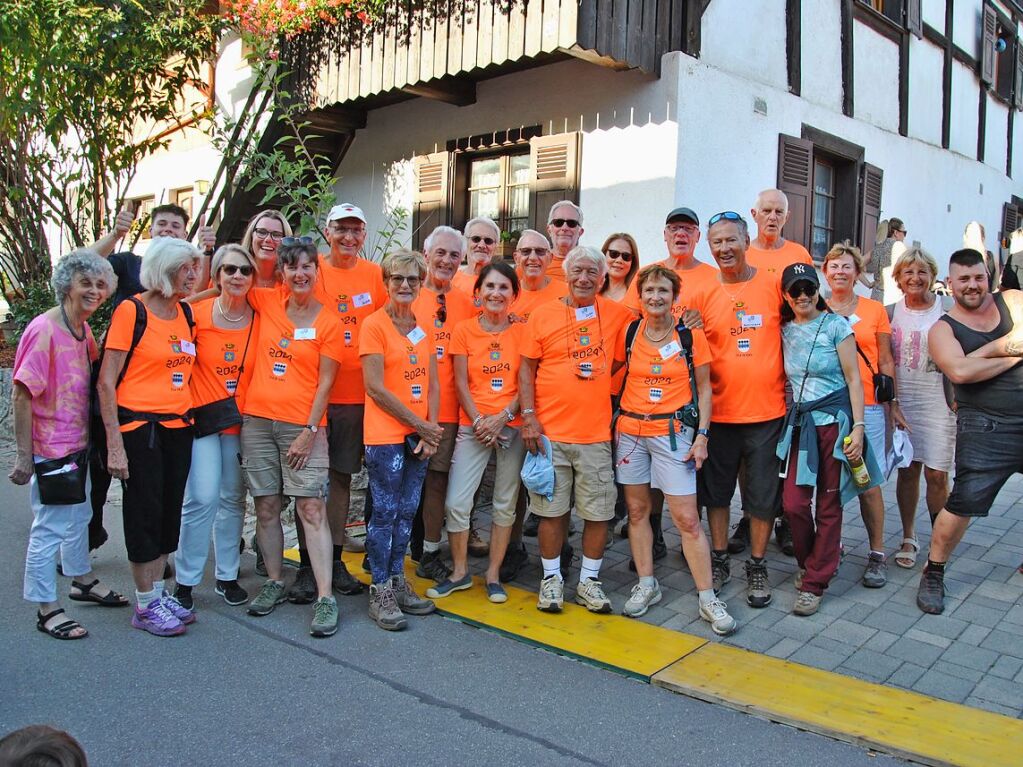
61,630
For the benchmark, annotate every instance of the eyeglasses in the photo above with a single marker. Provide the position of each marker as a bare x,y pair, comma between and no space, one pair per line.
289,241
623,255
676,228
442,308
527,252
571,223
264,233
728,215
802,288
231,269
349,231
476,240
397,279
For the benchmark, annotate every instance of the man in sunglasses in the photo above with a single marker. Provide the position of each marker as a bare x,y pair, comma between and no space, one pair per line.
438,309
565,227
483,237
532,261
770,251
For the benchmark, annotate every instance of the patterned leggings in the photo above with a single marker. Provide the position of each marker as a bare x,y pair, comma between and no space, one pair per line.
395,484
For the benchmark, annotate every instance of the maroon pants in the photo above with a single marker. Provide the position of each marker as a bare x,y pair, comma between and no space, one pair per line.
816,535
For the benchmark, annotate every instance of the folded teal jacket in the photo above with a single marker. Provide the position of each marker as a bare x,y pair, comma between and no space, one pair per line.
808,457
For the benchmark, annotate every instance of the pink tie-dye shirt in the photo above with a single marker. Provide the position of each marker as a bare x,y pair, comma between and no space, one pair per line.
55,368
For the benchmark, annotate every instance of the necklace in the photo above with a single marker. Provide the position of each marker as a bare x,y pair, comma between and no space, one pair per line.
845,305
67,324
744,278
655,341
486,325
224,314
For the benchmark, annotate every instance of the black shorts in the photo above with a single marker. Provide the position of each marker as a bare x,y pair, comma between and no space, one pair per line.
344,437
988,452
753,446
158,463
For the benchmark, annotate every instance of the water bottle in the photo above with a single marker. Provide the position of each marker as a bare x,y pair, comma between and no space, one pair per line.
859,469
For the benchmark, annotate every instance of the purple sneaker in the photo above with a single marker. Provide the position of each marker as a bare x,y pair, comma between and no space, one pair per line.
180,612
157,619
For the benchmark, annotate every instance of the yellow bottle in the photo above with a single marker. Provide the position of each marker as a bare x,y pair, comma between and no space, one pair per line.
859,469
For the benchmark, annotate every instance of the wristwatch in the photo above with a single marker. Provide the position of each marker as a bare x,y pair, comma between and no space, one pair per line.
312,428
528,411
703,433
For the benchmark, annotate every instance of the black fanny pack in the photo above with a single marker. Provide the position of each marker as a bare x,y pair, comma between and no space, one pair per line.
214,417
61,481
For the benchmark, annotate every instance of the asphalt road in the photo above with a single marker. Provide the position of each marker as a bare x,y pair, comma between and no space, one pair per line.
256,691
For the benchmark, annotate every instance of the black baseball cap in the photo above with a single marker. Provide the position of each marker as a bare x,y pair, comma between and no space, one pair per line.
686,213
798,272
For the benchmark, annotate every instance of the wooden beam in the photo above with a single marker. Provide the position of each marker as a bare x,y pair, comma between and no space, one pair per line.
946,81
451,90
694,10
847,57
336,119
1008,143
981,124
904,84
793,44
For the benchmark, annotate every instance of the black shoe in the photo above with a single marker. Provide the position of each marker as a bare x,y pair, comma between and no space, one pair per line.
365,564
567,553
232,592
260,567
783,537
931,595
740,537
303,589
758,588
515,558
241,545
432,566
184,596
531,526
343,582
415,552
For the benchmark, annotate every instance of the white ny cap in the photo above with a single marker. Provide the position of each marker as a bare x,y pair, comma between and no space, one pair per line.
346,210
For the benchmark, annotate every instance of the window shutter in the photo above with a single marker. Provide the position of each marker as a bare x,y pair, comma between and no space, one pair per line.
795,178
430,205
870,205
1010,220
914,18
987,50
553,174
1017,94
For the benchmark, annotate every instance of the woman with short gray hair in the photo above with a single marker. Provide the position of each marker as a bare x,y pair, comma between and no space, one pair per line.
51,423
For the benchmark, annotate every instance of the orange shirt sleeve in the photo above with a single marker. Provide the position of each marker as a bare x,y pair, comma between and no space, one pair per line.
122,326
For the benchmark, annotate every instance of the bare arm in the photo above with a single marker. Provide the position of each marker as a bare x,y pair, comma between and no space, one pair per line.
122,225
959,368
106,387
698,451
531,426
22,471
851,370
886,365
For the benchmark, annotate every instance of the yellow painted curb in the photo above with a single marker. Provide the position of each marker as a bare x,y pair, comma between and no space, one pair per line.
903,723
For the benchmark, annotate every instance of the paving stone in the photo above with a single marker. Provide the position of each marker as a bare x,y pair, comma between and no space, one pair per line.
963,654
818,658
959,672
785,648
915,651
906,675
1014,615
796,627
858,613
1006,667
923,636
974,635
889,619
940,625
992,707
875,665
881,641
971,566
757,641
1004,643
850,633
1000,691
944,686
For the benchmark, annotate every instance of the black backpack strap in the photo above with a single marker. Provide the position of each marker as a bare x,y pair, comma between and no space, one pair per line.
685,340
630,339
141,320
186,309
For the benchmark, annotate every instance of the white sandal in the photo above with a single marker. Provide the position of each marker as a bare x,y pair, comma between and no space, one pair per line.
907,559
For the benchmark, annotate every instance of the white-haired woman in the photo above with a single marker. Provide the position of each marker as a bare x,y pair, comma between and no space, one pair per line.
51,426
262,239
145,401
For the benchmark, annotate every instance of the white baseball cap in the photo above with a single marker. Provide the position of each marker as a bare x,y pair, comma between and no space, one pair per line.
346,210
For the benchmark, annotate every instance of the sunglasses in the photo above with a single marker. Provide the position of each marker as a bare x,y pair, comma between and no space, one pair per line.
623,255
289,241
442,308
728,215
571,223
526,252
397,279
231,269
476,240
264,233
802,288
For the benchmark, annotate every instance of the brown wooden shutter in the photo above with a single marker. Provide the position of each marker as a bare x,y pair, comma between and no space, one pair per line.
553,173
430,204
795,178
870,205
1010,220
1017,93
987,50
914,18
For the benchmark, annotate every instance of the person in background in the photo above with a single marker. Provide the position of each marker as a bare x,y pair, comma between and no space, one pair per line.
564,227
880,263
51,394
262,239
974,238
483,236
1012,271
622,256
536,287
769,250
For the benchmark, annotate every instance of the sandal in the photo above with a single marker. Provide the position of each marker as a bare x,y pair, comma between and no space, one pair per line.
110,599
61,630
907,559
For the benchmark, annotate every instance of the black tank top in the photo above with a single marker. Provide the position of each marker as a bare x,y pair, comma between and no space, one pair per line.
998,397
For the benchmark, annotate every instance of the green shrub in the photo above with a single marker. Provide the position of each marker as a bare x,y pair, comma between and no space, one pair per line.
38,298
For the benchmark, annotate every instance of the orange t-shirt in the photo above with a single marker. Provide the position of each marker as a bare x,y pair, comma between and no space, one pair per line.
868,318
775,261
406,376
219,353
658,380
285,360
459,307
743,326
693,281
528,300
464,281
158,374
352,295
493,365
575,349
555,270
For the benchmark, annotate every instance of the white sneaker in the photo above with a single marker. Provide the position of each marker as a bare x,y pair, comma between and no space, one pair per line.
641,599
552,594
590,594
721,623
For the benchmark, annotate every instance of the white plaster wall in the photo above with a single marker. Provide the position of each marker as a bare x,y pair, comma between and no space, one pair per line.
875,78
926,62
821,53
966,25
965,105
933,13
996,127
754,48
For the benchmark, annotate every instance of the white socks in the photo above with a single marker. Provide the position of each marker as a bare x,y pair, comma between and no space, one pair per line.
431,546
143,598
551,567
707,596
590,568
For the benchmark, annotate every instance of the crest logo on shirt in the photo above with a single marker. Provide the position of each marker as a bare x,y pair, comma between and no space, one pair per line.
348,338
656,394
283,343
743,344
584,340
176,348
440,352
231,384
228,356
177,380
280,368
173,337
497,384
413,359
740,314
655,370
585,369
417,391
342,307
437,323
495,355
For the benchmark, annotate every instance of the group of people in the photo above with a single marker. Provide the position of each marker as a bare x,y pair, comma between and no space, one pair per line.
590,383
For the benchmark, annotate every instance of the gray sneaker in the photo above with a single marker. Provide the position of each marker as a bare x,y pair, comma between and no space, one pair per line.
876,574
806,603
758,590
721,570
408,600
325,617
271,595
552,594
716,614
383,608
641,599
590,594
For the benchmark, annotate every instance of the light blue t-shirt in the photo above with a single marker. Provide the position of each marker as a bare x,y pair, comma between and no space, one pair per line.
824,373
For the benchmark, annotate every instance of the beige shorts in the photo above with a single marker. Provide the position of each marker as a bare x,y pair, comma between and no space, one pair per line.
441,460
265,446
586,470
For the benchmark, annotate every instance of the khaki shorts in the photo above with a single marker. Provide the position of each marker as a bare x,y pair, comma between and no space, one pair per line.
265,446
588,471
441,460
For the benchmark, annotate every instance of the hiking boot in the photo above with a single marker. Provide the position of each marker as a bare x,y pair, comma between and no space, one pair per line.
806,603
232,592
183,596
758,590
477,546
157,619
344,582
641,599
552,594
567,554
432,566
408,600
740,537
383,608
716,614
260,567
783,537
447,587
590,594
269,596
303,589
876,574
325,617
931,595
182,613
515,558
721,570
531,526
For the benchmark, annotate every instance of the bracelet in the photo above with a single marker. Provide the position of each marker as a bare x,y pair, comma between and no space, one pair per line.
508,414
859,423
703,433
477,419
527,411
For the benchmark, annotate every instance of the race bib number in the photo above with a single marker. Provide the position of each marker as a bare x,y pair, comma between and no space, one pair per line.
416,335
305,334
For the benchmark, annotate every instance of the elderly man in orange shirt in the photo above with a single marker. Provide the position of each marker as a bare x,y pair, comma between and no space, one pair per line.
769,250
565,227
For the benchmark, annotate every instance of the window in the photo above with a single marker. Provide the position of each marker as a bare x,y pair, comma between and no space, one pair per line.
890,9
183,197
143,207
822,232
499,189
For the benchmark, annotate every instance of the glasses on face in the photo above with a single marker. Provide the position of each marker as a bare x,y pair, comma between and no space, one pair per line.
231,269
688,228
349,231
476,240
397,279
289,241
802,288
728,215
527,252
264,233
622,254
442,308
571,223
